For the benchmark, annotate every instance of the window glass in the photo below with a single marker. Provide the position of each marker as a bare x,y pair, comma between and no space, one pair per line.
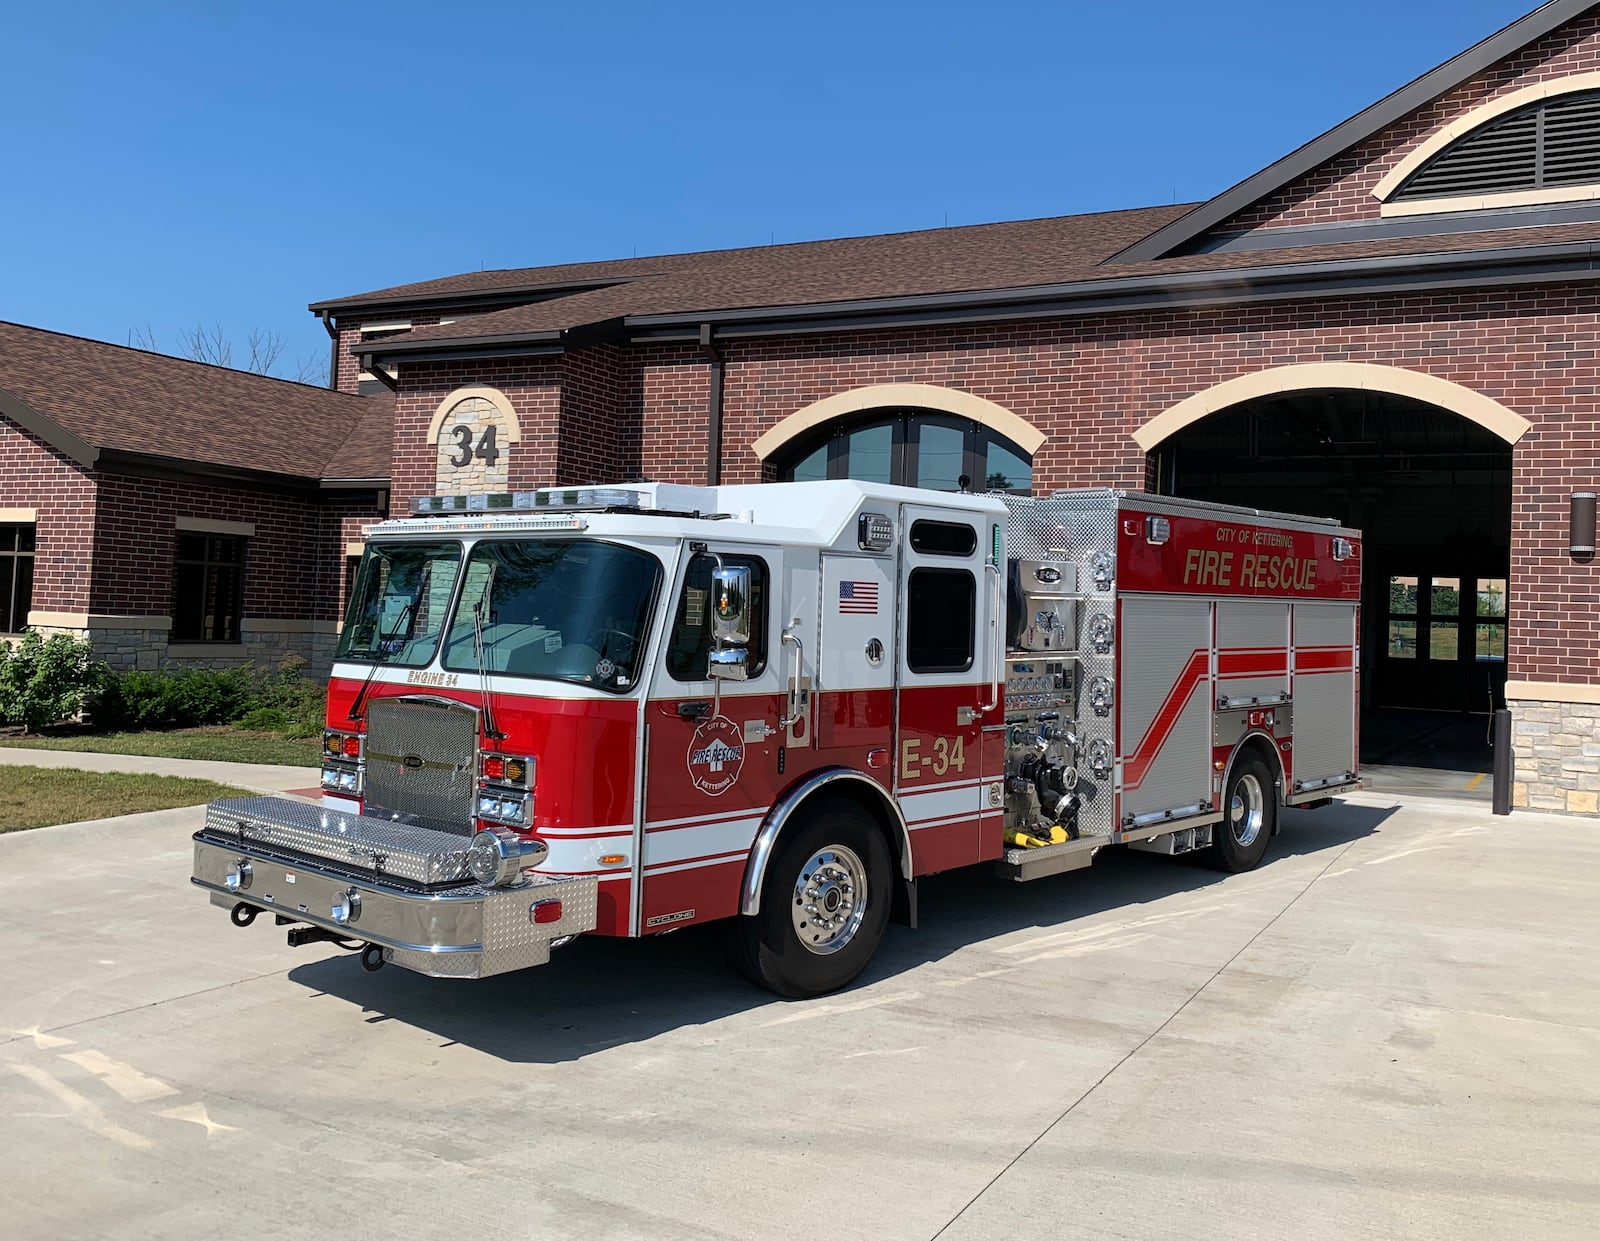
871,452
573,610
943,538
813,466
16,577
1491,642
209,582
1402,596
1444,640
1492,597
941,616
941,456
1447,596
1005,470
1402,639
397,610
689,644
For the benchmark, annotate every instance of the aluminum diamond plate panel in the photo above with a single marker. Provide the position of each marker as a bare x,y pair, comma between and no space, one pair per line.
1073,527
378,846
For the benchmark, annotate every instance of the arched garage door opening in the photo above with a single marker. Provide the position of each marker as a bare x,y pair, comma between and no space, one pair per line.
909,447
1431,491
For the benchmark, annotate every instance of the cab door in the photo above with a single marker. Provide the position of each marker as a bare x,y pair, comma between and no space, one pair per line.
947,691
713,749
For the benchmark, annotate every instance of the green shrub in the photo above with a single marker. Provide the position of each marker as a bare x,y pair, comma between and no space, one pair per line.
45,680
264,720
174,698
287,693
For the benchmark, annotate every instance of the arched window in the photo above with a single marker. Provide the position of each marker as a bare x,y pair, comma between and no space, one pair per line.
910,448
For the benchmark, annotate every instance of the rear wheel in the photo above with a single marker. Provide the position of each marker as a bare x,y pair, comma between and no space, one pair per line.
824,904
1249,817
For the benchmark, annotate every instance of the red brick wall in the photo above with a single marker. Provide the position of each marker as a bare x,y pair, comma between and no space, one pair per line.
349,329
1089,385
135,542
673,407
599,417
34,475
1342,189
533,386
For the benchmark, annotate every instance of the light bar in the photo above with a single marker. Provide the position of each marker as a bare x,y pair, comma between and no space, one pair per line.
457,525
523,501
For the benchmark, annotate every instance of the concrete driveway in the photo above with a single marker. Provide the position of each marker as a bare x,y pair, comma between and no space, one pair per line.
1390,1030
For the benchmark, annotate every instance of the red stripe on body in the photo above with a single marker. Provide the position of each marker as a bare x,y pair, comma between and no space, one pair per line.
1137,765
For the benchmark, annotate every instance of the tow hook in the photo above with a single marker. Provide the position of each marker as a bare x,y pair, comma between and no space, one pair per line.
242,914
372,958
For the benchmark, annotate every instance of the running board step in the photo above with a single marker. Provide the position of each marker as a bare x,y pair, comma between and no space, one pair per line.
1021,865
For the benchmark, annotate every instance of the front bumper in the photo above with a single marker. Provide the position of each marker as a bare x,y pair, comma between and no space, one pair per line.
414,899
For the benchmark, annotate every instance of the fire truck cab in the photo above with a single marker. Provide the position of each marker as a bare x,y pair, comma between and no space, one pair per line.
624,710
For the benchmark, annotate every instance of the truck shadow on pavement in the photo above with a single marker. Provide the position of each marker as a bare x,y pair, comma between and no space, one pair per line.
601,993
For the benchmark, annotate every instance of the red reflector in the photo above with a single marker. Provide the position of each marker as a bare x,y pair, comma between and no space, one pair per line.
547,911
494,767
352,747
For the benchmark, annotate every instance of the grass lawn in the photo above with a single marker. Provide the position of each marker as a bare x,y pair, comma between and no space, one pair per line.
216,745
40,797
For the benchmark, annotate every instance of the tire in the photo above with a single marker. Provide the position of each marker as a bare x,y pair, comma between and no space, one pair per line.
823,866
1250,816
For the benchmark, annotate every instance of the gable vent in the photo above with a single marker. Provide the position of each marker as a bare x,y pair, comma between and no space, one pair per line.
1548,145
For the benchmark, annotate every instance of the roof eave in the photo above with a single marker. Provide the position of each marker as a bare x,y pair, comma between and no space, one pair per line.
1334,277
49,430
480,297
1357,129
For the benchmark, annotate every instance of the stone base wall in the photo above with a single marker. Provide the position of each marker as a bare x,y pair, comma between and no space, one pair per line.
1557,748
148,649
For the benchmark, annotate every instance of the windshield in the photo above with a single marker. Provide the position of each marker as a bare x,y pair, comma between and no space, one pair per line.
401,598
564,610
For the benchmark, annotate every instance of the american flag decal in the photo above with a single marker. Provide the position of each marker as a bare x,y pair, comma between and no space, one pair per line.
858,598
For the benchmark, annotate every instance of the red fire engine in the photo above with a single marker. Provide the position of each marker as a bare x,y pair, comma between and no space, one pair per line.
621,711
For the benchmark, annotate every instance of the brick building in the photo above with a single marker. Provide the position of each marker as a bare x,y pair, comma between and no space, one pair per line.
172,511
1394,325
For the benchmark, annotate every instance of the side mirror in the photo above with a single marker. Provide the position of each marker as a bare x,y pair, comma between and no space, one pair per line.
728,664
730,624
730,605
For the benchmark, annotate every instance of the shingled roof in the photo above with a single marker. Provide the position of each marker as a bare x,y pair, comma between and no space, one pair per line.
102,404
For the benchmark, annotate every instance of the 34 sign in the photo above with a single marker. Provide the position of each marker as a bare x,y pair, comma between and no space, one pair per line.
473,441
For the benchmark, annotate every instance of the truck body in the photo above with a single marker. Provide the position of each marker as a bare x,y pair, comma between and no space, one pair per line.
621,711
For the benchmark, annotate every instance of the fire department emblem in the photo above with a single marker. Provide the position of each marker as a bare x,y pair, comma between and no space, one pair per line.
716,753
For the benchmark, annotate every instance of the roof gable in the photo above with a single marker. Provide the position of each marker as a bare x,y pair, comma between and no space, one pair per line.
96,403
1330,179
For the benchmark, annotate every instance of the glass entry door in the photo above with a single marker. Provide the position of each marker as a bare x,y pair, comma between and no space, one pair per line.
1444,642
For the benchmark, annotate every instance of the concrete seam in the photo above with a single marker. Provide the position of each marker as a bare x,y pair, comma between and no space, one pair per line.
1143,1043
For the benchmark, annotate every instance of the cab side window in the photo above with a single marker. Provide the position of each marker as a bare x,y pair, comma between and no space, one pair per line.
941,619
689,643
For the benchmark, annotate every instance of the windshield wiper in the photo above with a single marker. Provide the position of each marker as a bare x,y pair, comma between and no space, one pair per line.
380,655
485,694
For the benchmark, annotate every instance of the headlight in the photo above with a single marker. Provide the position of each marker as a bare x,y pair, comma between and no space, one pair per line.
495,859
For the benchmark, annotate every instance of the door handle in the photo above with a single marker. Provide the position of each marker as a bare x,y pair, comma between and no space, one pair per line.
696,709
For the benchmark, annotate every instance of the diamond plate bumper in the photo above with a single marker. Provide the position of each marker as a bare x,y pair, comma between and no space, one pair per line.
302,864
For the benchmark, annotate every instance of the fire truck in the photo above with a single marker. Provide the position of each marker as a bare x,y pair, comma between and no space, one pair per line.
626,710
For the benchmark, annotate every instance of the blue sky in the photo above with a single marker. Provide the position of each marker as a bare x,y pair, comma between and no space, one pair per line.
169,164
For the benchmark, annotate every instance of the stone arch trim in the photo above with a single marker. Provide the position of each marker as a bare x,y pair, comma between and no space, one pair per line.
931,397
493,395
1476,119
1353,376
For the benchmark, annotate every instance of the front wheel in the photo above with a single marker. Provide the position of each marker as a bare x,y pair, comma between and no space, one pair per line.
824,904
1250,815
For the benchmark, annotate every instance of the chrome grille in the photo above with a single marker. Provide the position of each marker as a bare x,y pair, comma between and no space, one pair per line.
421,763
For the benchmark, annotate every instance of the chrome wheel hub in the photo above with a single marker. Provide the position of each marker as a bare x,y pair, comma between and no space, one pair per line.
830,900
1247,810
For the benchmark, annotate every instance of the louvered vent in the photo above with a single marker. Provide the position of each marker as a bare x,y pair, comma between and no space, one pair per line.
1548,145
